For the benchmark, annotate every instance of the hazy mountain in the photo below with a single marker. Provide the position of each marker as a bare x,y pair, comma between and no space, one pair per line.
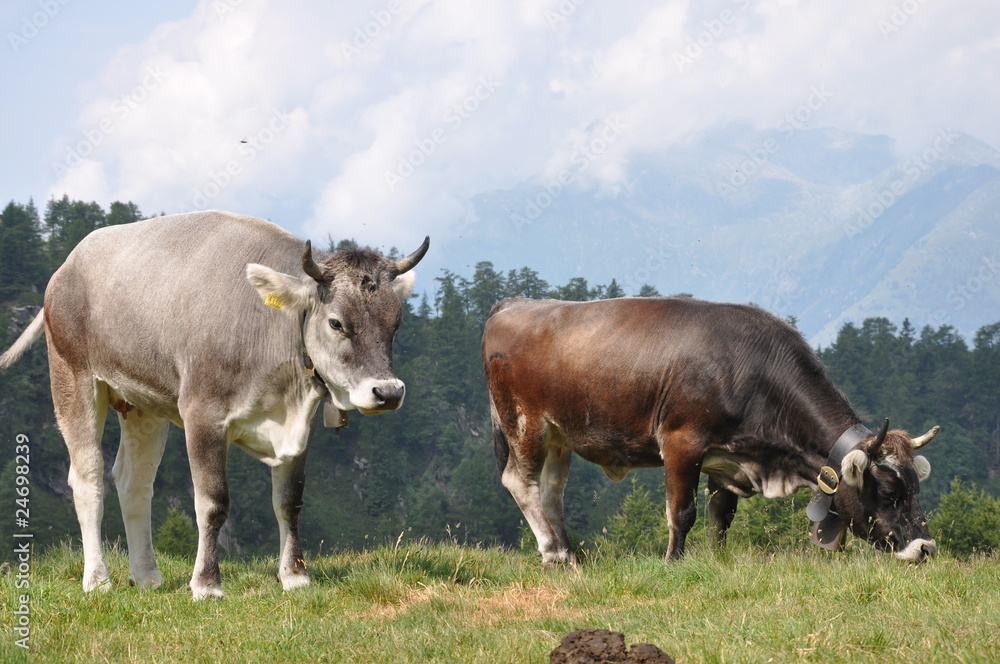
822,225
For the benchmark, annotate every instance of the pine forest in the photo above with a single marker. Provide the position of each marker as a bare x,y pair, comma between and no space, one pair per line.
427,470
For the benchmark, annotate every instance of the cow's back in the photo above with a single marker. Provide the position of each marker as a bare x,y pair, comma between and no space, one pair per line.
154,303
621,368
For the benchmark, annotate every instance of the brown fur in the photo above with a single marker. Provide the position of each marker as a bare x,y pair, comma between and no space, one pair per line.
691,386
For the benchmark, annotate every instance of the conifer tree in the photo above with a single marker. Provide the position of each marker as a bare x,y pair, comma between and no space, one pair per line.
576,290
486,290
23,266
526,283
612,291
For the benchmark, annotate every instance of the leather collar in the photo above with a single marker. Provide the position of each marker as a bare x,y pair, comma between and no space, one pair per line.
828,528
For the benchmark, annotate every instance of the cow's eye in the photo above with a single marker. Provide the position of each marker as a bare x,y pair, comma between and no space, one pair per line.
336,324
888,493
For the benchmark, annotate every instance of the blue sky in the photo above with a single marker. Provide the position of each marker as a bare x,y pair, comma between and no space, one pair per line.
382,119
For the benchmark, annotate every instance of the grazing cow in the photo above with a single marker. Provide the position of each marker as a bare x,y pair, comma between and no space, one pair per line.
697,387
164,320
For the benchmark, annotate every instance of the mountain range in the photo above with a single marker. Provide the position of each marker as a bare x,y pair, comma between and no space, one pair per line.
817,224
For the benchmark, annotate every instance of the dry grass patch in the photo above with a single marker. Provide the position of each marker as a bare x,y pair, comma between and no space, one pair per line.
519,603
413,597
516,603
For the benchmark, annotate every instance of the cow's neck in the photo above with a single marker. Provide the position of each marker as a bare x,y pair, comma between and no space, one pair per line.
825,423
333,417
816,419
307,364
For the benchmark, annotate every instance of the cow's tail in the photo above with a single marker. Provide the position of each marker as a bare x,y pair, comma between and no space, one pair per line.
501,447
28,337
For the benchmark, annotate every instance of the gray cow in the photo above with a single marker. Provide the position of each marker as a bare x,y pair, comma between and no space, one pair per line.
164,320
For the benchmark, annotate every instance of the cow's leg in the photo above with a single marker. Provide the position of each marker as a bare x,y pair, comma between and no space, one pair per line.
681,473
526,493
207,453
721,510
520,446
552,485
287,483
143,439
81,406
525,466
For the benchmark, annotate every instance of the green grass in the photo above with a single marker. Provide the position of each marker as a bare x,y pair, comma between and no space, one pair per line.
420,602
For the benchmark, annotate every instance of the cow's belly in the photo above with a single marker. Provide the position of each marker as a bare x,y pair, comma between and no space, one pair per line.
610,452
617,452
127,396
745,477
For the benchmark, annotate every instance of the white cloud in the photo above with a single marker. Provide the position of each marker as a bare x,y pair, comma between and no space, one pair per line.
454,97
86,181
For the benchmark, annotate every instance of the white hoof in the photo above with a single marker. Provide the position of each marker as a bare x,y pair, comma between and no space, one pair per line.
293,581
97,580
202,593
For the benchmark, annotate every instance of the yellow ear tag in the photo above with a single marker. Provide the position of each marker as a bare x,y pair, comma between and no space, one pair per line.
274,300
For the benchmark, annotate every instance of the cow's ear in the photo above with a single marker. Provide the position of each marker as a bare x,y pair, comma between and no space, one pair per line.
280,290
922,466
852,469
403,284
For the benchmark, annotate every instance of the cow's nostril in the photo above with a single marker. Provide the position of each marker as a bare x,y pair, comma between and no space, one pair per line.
389,397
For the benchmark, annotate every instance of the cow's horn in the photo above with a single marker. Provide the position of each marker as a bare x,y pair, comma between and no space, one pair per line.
920,441
876,445
309,265
408,263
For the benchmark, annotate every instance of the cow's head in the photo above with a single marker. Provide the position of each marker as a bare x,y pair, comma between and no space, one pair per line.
884,505
351,305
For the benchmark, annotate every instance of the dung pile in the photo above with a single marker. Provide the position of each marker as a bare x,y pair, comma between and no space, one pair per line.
599,646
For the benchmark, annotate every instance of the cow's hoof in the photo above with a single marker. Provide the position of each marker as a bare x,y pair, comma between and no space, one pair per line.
97,580
561,559
199,594
150,582
293,581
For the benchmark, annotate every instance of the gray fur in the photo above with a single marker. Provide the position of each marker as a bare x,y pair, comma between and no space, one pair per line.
159,320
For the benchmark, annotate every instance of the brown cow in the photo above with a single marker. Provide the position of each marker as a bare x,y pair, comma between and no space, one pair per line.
698,387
